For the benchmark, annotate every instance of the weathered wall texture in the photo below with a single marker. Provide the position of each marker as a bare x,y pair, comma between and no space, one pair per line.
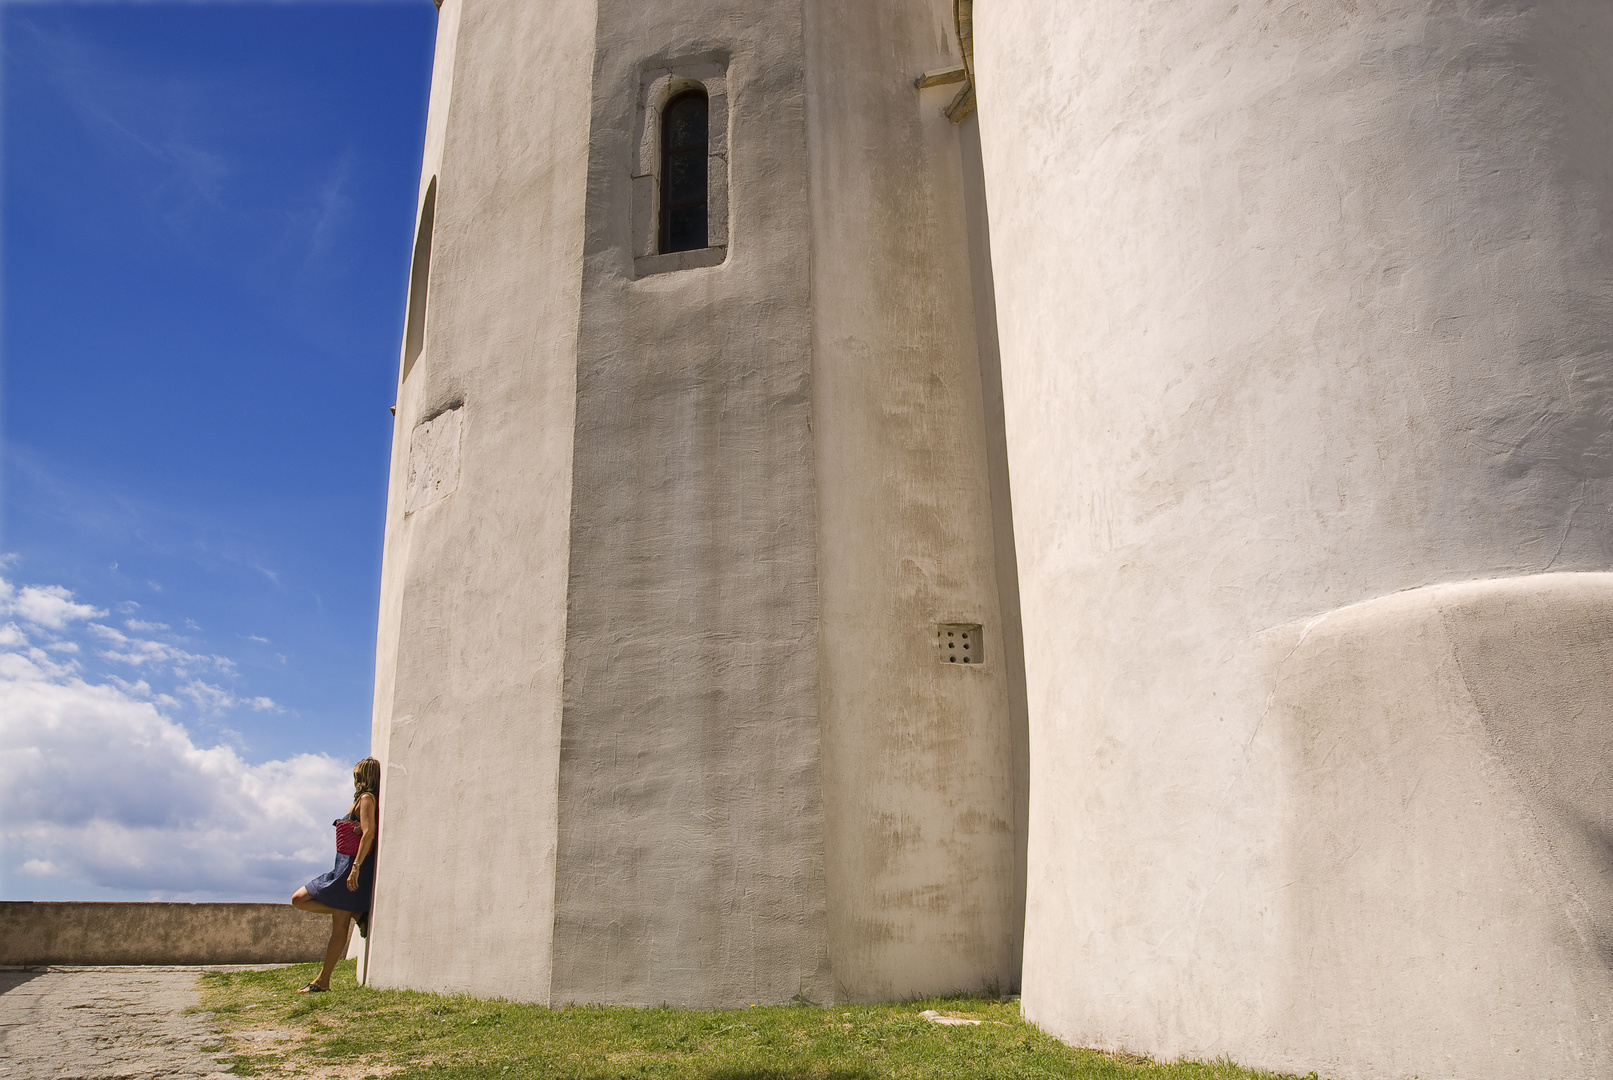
629,759
159,933
1302,306
468,714
690,865
406,410
919,771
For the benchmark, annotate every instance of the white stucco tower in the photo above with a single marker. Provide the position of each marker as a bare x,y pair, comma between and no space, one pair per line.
699,678
1306,322
700,489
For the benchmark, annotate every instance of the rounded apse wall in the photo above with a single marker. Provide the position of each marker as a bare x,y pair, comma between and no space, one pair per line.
1300,306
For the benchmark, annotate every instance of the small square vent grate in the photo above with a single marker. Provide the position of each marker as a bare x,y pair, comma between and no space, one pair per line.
959,643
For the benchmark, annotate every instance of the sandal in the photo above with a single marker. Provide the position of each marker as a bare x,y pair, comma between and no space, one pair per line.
314,988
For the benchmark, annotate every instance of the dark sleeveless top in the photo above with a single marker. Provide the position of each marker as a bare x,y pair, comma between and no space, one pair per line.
330,888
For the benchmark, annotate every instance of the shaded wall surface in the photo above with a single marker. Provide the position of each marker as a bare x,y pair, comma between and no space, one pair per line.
690,865
1303,307
921,780
156,933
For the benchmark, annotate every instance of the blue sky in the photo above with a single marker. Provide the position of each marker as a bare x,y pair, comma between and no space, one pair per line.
206,222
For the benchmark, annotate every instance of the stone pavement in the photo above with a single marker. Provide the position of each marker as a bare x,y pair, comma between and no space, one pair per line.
106,1023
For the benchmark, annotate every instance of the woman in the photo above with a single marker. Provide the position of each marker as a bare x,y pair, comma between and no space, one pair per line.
345,891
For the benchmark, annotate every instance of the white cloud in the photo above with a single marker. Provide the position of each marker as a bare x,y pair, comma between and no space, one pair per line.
140,689
216,699
207,696
49,606
33,662
101,787
140,626
139,651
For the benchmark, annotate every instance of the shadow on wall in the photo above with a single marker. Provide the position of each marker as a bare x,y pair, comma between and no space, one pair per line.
1596,837
10,980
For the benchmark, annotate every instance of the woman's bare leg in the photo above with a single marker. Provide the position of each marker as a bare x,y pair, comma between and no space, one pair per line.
304,901
340,923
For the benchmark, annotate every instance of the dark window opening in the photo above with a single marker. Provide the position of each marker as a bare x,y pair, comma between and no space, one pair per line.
684,145
414,331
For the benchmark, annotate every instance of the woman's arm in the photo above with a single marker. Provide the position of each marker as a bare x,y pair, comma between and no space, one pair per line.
366,840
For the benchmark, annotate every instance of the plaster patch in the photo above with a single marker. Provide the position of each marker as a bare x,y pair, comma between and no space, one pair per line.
434,460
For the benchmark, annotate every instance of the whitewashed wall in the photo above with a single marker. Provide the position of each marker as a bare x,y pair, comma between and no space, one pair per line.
1303,306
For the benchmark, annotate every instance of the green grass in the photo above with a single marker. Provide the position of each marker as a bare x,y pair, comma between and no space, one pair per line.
355,1033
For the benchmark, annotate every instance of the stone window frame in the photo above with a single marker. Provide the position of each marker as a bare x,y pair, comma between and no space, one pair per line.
658,84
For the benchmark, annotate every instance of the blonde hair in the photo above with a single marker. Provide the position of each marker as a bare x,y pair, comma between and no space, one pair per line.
366,781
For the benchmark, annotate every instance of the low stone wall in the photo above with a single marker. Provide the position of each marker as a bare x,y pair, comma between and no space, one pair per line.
141,933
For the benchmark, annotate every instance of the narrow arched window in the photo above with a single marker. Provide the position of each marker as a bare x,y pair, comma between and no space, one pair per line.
683,172
414,326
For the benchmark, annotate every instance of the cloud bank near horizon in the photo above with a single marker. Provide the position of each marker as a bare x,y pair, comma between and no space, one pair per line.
103,789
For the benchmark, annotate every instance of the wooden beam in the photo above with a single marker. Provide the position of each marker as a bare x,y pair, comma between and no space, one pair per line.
940,77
